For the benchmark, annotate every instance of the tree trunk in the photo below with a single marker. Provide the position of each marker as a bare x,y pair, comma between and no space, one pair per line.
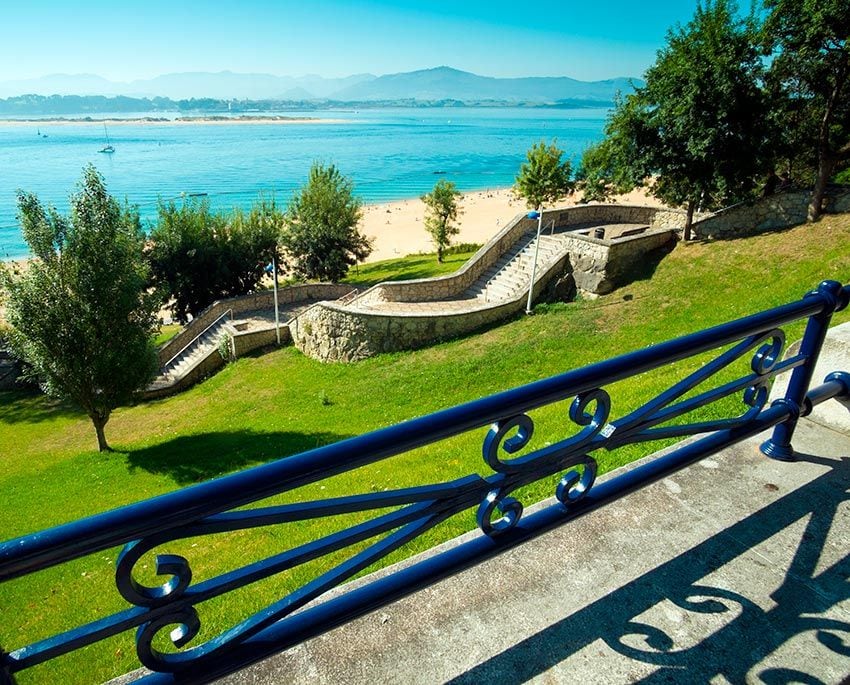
826,159
440,254
825,167
689,220
99,424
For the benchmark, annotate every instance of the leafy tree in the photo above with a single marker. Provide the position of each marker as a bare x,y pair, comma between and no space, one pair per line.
198,256
696,132
543,178
810,73
80,314
602,171
442,209
320,233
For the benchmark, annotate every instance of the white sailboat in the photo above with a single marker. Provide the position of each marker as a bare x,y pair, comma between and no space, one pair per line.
108,147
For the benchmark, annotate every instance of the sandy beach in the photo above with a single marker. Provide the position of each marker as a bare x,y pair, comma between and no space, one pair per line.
179,121
398,230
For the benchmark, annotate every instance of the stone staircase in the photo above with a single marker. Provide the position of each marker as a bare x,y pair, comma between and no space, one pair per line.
590,249
195,352
509,276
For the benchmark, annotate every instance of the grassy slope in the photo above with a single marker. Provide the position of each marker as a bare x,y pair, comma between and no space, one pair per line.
269,406
406,268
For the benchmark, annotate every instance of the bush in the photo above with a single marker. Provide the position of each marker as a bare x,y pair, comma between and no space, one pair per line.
198,256
320,235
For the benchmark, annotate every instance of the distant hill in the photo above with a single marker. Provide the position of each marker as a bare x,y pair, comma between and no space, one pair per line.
59,84
201,84
445,83
427,85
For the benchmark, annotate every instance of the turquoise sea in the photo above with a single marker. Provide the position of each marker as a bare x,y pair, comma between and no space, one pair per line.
389,153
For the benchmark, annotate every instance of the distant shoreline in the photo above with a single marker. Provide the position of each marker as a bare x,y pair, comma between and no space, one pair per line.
396,226
213,119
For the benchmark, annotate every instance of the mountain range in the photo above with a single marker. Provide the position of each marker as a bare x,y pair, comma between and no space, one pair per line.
440,83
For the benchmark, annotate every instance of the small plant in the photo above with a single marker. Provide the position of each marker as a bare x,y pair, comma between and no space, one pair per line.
324,399
461,248
225,349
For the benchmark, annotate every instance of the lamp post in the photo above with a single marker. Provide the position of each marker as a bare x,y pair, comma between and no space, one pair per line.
272,269
539,216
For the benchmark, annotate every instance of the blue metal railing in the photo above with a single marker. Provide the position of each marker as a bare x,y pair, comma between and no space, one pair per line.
217,506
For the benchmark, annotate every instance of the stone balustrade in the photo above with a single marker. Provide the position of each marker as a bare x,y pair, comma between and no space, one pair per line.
263,299
367,326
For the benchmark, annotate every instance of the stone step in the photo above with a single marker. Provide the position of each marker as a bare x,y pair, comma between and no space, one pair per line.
499,293
544,250
505,274
512,275
499,285
198,351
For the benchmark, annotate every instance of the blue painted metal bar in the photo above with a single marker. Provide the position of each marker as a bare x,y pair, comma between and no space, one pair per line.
345,608
779,446
215,507
123,525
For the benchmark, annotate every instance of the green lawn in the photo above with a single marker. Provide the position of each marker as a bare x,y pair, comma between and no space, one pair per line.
167,332
412,266
265,407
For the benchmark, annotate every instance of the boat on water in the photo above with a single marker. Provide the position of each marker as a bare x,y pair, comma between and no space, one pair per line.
108,147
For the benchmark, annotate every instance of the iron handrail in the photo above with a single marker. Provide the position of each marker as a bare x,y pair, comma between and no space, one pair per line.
122,525
216,506
198,337
347,299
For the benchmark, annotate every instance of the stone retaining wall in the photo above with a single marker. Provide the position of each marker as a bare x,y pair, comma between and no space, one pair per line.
600,266
331,333
776,212
246,303
243,342
654,217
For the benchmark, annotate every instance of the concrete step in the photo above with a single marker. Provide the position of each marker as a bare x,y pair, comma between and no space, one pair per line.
198,351
508,282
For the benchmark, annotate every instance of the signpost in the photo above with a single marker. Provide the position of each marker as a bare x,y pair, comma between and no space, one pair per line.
272,269
539,216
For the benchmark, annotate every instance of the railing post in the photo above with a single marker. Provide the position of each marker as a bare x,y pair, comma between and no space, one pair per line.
6,678
779,445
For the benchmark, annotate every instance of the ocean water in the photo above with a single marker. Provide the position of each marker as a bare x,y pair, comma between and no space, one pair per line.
390,154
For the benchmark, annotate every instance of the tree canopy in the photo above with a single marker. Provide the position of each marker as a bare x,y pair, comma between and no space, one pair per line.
320,234
696,132
809,80
80,313
198,256
442,208
543,178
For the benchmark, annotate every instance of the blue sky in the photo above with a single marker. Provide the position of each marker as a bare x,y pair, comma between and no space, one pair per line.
124,40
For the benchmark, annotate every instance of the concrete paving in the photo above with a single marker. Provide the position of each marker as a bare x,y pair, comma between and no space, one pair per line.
735,570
